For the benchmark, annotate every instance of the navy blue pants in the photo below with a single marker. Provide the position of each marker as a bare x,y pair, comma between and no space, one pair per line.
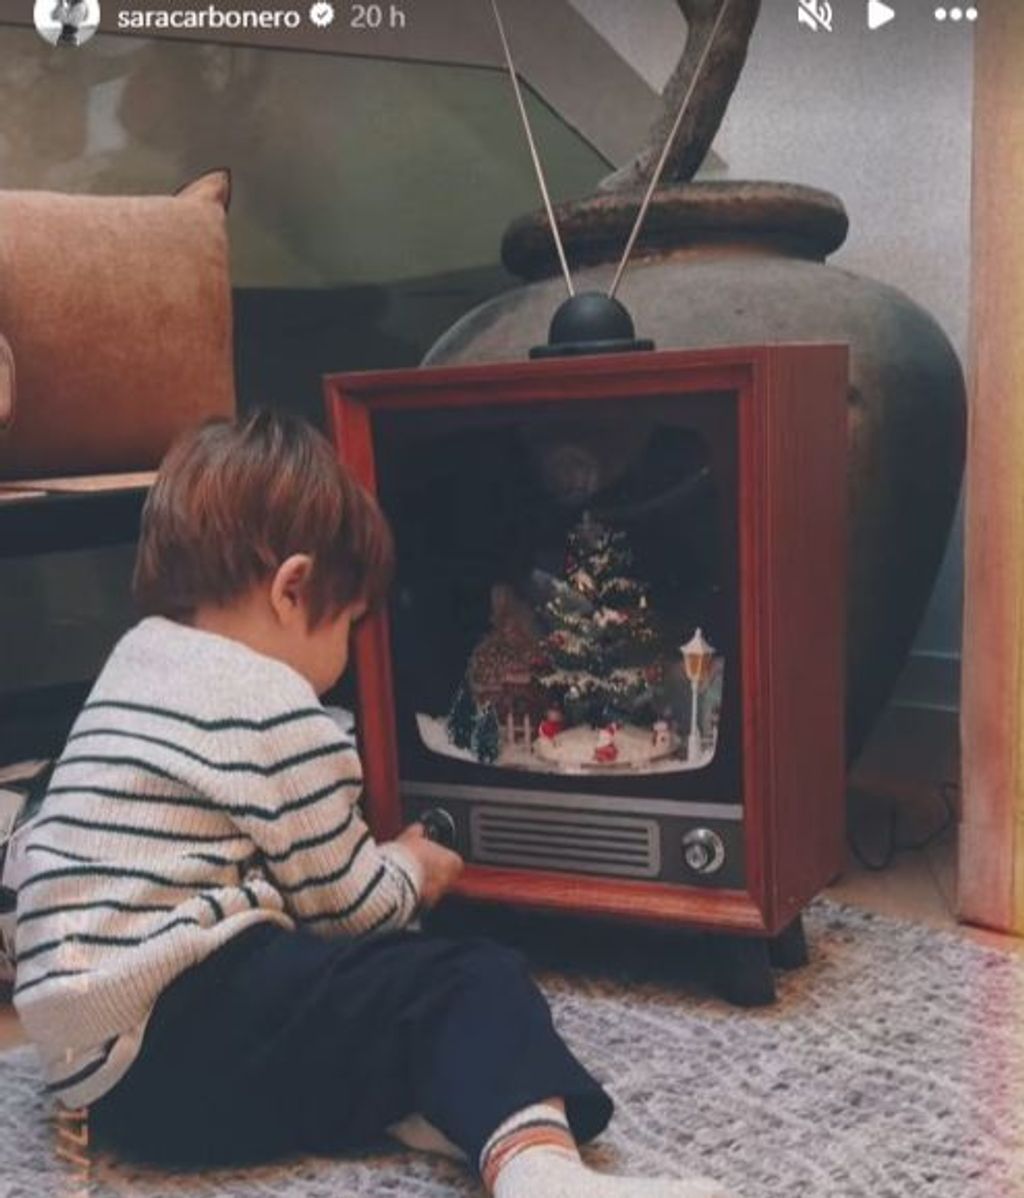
283,1042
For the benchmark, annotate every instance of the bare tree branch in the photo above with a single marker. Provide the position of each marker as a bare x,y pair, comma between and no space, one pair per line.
710,100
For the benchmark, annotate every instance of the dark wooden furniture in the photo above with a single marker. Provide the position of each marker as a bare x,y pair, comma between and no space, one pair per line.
53,515
774,421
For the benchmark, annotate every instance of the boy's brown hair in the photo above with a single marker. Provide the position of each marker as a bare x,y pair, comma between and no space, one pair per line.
233,499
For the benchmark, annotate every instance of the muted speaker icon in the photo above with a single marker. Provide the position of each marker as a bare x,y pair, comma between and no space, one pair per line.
879,14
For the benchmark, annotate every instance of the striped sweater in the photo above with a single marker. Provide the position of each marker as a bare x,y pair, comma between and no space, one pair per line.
203,789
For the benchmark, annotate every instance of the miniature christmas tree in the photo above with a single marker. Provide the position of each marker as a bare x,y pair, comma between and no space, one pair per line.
599,660
462,718
487,736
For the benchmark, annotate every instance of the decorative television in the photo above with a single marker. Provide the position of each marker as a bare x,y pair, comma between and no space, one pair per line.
612,668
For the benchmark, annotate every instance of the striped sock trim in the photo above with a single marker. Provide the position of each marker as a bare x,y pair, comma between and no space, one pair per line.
537,1126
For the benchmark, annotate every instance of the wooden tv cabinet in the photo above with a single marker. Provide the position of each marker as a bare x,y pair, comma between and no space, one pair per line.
754,553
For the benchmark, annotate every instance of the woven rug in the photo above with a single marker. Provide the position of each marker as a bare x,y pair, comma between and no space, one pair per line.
891,1067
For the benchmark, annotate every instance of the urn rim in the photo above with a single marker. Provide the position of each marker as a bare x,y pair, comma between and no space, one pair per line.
785,218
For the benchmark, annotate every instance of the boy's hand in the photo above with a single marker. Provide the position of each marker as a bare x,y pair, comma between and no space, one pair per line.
441,866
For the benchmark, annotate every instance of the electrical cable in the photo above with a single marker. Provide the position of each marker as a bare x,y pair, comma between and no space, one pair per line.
894,846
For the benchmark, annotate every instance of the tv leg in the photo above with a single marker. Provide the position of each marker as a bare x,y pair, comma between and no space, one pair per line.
788,950
742,970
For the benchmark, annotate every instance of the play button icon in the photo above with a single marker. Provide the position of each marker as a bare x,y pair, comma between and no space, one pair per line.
879,14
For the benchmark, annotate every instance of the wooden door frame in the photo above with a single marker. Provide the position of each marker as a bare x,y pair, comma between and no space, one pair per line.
991,871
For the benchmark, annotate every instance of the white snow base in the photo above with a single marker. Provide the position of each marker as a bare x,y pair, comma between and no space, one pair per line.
572,753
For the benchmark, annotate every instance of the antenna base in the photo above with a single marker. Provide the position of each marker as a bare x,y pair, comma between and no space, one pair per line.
591,323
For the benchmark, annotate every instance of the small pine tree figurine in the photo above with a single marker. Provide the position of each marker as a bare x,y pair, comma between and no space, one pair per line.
462,718
487,736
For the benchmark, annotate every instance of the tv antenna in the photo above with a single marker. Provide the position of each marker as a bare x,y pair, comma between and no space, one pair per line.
593,322
660,168
538,168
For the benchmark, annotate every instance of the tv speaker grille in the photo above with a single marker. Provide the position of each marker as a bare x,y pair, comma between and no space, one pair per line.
571,841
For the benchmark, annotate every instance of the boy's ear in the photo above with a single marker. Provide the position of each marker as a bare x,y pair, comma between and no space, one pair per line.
288,587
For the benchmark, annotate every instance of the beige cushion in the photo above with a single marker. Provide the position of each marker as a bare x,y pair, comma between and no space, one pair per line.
118,314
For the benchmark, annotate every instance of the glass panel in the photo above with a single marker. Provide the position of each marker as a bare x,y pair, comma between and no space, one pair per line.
566,604
346,170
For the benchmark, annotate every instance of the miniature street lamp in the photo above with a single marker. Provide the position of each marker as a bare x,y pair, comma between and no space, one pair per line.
697,658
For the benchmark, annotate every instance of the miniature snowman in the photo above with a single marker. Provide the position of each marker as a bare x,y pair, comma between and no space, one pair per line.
606,751
661,736
552,724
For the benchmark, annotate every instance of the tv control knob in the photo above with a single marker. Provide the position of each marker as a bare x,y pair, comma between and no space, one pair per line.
439,826
703,851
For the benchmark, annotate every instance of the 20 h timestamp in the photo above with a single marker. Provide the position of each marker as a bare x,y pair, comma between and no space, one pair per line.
370,17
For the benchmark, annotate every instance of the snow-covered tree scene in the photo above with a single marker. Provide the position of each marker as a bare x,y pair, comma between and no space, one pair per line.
584,676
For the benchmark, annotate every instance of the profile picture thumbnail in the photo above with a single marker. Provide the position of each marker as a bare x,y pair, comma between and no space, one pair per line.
67,22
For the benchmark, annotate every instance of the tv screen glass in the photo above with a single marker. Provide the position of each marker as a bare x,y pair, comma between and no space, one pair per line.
565,614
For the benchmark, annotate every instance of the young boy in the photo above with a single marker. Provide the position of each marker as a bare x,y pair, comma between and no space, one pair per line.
210,943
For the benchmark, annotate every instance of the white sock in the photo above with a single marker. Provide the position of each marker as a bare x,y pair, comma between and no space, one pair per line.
539,1173
533,1155
415,1132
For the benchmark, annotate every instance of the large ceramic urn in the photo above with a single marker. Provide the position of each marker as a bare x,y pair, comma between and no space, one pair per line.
724,263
